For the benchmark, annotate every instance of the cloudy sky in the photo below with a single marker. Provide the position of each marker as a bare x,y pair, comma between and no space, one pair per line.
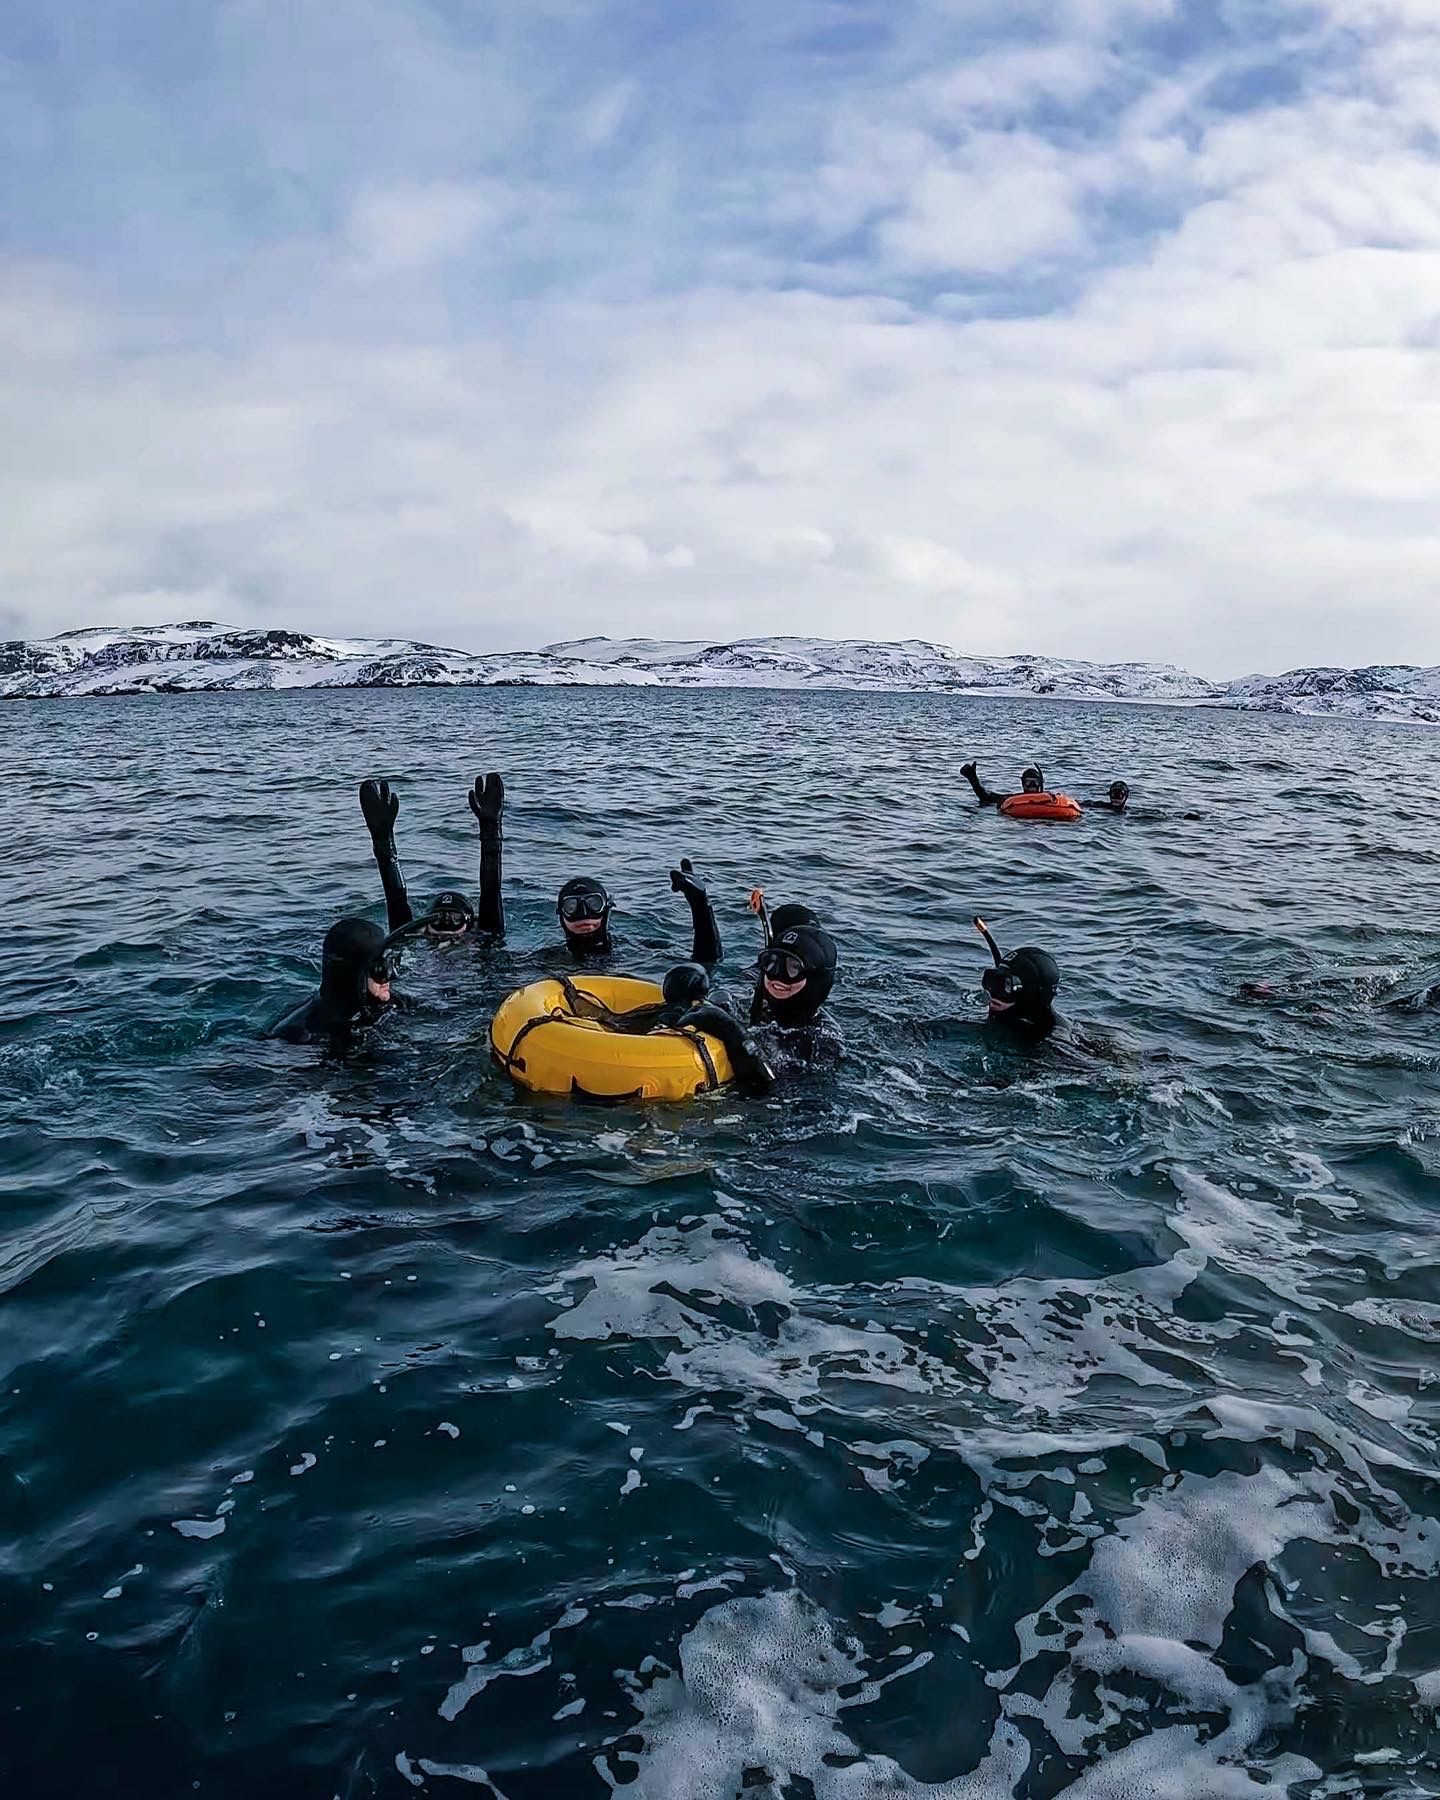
1107,327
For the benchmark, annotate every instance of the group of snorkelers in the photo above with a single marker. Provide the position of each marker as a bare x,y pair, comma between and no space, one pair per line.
795,970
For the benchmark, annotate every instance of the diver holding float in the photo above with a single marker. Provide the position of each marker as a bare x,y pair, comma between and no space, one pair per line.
795,972
611,1038
1034,801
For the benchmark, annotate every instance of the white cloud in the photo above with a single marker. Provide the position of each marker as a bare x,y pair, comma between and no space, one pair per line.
999,200
1155,379
405,225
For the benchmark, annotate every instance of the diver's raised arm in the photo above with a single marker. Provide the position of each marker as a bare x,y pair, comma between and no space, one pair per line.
706,947
982,793
380,808
487,802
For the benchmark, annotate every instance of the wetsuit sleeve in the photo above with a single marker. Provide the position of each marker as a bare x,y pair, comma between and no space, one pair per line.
706,947
380,807
487,802
293,1026
982,793
753,1074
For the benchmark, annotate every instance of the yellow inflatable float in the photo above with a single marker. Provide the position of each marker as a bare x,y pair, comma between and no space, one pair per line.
554,1037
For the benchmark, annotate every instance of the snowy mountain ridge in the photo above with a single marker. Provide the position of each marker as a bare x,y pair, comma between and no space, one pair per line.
201,656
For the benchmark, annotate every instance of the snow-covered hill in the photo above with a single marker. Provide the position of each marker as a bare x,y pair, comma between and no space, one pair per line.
1398,691
203,657
858,663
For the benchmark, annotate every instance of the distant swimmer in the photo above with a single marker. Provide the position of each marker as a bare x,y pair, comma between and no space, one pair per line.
1115,801
1035,802
355,988
1032,781
451,916
1020,989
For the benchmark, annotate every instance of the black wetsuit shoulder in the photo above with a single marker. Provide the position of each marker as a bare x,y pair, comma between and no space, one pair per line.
313,1021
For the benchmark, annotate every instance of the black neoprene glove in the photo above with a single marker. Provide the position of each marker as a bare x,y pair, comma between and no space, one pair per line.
487,802
685,881
380,807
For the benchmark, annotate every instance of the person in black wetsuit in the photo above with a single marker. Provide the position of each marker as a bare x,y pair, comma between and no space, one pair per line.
1020,989
1032,781
1115,801
354,988
795,976
584,908
451,915
797,972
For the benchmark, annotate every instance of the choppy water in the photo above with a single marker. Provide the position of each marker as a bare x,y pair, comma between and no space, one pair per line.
961,1423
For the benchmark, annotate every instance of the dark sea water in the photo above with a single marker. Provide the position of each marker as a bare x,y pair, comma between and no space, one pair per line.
962,1422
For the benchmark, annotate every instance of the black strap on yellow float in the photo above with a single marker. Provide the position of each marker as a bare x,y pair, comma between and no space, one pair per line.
510,1060
587,1006
712,1073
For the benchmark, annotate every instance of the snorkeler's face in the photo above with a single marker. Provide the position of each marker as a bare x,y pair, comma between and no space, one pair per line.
377,989
451,915
583,911
1030,781
784,975
783,990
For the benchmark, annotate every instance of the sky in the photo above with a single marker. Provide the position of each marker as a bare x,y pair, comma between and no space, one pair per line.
1104,328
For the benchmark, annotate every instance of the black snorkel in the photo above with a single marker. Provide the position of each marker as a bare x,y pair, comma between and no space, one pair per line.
984,931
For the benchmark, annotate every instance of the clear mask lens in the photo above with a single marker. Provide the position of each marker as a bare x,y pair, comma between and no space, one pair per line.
583,906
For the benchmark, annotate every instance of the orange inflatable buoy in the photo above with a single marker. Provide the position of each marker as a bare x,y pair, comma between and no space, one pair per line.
1041,806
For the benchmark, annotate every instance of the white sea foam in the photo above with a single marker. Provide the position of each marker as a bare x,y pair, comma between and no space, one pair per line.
760,1687
671,1285
523,1660
1048,1340
1244,1235
1416,1318
198,1528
